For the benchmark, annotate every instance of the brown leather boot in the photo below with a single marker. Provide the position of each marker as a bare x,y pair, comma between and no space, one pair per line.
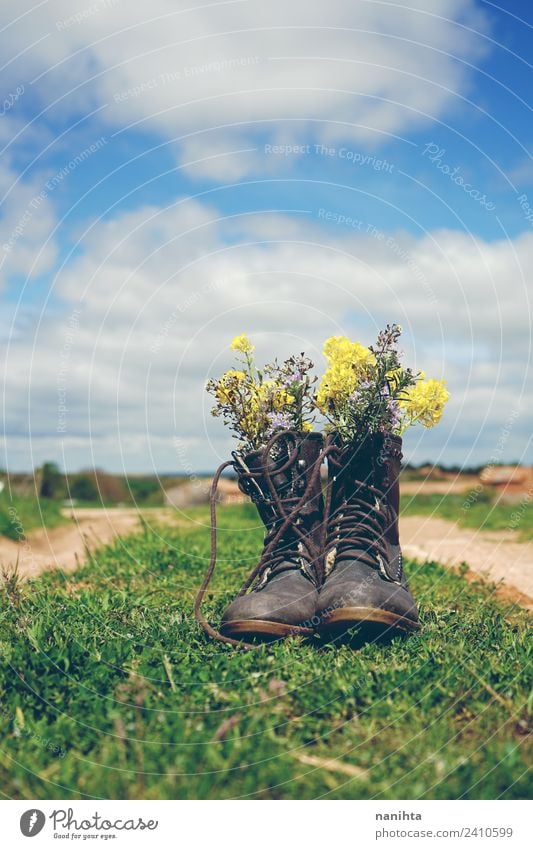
280,596
364,583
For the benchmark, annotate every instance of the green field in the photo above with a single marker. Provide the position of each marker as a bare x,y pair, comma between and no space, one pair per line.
109,689
479,511
20,514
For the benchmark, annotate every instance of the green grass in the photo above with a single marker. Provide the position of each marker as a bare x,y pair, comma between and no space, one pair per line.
479,511
107,667
22,513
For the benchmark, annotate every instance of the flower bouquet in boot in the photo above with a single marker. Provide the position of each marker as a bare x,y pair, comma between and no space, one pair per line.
370,400
277,462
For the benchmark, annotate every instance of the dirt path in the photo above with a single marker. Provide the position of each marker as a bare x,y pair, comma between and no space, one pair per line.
460,485
64,547
494,555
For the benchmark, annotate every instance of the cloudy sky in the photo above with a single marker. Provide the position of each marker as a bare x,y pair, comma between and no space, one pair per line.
176,172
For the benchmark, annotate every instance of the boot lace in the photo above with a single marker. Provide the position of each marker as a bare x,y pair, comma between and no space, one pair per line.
360,522
285,514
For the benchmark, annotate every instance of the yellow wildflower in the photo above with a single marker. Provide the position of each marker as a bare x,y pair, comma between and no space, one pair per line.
260,400
307,427
282,399
242,343
393,377
339,350
261,393
272,396
425,401
249,425
228,385
348,364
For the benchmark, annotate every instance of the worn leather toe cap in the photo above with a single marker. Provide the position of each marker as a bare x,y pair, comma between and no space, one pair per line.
290,599
365,588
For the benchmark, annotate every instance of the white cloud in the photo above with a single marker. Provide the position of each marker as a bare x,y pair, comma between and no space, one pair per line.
345,70
27,219
160,292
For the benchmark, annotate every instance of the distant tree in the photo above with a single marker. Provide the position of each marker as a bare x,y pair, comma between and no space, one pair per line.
143,489
52,483
97,485
112,488
84,488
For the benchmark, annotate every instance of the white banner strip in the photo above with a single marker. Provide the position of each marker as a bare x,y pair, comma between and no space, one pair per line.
267,824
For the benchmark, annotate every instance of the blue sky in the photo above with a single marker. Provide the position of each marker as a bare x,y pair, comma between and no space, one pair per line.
177,173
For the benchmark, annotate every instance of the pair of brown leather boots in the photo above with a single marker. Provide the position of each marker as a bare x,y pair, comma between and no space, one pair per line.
331,562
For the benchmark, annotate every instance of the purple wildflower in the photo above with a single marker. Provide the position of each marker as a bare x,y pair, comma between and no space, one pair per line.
278,421
292,377
393,410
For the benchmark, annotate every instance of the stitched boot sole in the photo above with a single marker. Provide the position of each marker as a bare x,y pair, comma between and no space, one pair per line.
264,628
373,619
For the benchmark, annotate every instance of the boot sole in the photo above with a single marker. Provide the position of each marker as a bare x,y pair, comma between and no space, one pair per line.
377,620
264,628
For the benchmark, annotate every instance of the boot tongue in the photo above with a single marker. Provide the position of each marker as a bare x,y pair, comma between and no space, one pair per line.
288,465
281,480
369,460
357,466
368,465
